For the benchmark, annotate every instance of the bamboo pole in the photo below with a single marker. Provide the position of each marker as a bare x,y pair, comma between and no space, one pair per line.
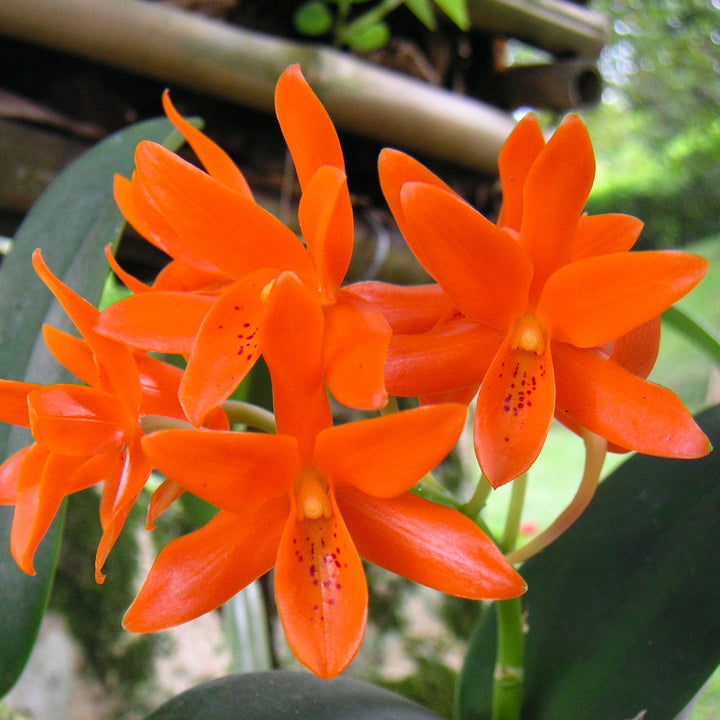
560,27
243,66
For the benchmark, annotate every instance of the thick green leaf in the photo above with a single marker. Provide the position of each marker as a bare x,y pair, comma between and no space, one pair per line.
277,695
72,221
624,609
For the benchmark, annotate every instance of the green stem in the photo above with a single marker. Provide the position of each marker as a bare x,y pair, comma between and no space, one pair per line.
473,507
240,412
509,664
512,521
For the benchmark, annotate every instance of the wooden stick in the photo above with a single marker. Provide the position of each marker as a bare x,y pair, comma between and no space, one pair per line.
243,66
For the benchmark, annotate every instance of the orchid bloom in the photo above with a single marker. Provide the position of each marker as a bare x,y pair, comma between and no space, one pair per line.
540,298
310,501
215,227
83,435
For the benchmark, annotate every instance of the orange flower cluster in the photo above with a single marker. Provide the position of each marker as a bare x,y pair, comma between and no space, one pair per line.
546,313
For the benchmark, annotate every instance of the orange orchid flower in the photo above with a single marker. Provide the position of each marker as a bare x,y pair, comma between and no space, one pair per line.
539,298
218,229
311,501
83,435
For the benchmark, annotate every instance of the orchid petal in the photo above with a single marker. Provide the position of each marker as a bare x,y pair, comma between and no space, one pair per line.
76,420
227,469
428,544
226,346
516,157
291,339
159,321
630,412
163,497
135,472
14,401
514,410
595,300
554,195
9,472
233,233
355,343
321,592
182,277
604,234
395,169
407,308
40,491
326,222
638,349
306,126
116,366
454,356
131,283
200,571
73,353
387,455
481,267
142,212
215,160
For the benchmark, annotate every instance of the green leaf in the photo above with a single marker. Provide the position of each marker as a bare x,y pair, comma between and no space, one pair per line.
369,39
623,610
277,695
423,11
457,11
71,222
313,18
694,330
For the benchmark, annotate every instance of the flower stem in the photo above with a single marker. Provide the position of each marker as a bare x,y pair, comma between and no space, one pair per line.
239,412
512,520
595,451
509,664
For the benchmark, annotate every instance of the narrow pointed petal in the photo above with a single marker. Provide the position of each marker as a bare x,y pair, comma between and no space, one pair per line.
516,157
226,346
135,472
179,276
76,420
291,340
73,353
159,321
355,343
428,544
638,349
165,495
604,234
306,126
199,572
227,469
13,401
131,283
598,299
395,168
40,492
452,357
481,267
142,212
464,396
321,593
514,410
215,160
554,196
233,233
9,472
407,308
630,412
387,455
116,366
326,222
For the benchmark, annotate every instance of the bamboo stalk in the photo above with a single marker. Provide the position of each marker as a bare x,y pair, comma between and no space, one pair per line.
562,28
243,66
